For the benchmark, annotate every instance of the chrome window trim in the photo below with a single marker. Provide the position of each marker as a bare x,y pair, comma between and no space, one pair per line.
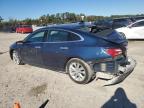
81,38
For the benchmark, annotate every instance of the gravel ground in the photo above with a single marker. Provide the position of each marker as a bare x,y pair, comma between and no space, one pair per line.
32,86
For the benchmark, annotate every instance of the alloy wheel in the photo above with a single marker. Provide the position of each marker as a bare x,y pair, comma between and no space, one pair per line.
77,71
16,58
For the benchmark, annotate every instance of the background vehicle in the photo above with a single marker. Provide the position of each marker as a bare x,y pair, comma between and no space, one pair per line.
24,29
113,23
138,18
121,22
134,30
76,50
104,24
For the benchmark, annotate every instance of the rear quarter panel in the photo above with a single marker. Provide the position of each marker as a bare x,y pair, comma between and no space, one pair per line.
92,48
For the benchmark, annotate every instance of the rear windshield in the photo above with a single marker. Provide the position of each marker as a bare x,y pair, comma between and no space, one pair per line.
108,34
95,30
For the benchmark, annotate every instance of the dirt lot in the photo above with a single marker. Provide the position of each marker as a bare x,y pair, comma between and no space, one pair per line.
32,86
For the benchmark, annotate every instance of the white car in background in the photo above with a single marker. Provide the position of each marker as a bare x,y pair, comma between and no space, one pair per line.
134,30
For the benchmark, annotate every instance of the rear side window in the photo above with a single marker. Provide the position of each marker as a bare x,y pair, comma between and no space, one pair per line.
61,36
73,37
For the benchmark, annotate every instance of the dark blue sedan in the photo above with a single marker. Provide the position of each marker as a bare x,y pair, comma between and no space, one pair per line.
77,50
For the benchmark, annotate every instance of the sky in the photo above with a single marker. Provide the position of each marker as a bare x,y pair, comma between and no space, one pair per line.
21,9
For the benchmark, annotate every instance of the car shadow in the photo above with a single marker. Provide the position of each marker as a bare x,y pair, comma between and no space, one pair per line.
3,52
119,100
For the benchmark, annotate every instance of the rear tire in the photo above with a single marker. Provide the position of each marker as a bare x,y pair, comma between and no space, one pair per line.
79,71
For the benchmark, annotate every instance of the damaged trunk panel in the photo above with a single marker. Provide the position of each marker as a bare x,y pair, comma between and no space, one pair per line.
123,72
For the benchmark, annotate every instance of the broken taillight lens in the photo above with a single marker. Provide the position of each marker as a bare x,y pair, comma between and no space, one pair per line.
114,52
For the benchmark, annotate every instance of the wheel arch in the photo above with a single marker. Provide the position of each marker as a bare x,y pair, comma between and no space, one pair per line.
69,58
89,72
11,52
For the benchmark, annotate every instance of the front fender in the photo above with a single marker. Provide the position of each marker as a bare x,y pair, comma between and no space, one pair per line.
14,46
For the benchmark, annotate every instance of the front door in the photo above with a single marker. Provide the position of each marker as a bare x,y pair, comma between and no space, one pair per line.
31,50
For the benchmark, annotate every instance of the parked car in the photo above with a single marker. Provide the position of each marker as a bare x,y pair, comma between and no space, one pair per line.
105,23
121,22
74,49
134,30
113,23
138,18
24,29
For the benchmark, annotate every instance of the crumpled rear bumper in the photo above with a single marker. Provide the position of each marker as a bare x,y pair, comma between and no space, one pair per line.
125,71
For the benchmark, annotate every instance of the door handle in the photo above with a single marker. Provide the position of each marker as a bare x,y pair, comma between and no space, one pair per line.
37,47
64,48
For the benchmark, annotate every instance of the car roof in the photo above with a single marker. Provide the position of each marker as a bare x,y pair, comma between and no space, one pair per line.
137,21
140,20
71,26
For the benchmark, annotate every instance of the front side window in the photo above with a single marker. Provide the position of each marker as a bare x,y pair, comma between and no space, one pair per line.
61,36
37,37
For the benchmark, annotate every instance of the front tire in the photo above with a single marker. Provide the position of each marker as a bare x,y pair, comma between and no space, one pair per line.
16,58
79,71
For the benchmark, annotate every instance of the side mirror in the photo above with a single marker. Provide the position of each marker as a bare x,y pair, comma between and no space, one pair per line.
19,42
22,42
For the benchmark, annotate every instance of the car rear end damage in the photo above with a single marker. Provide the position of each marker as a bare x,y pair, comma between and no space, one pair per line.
123,72
114,70
118,65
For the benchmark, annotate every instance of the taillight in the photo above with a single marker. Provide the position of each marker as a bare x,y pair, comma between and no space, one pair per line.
114,52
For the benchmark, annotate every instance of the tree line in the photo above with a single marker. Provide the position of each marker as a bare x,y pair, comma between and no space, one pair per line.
60,18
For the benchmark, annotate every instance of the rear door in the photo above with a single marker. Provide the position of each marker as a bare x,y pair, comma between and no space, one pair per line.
58,47
31,51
